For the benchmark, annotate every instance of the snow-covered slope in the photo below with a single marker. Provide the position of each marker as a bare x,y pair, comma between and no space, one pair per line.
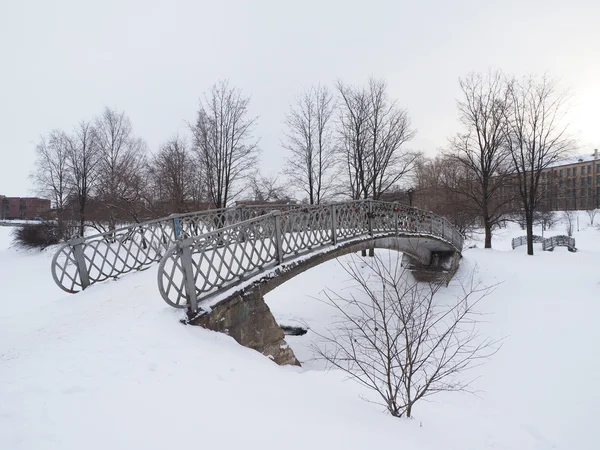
112,368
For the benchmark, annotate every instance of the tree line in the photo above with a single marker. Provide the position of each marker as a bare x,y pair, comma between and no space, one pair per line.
342,142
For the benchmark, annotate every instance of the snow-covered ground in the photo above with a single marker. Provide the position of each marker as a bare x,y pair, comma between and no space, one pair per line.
112,368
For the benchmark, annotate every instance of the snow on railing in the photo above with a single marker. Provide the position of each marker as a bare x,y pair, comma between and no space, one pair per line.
198,267
93,259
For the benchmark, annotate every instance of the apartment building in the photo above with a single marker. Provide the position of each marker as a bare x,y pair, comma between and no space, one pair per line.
572,183
23,207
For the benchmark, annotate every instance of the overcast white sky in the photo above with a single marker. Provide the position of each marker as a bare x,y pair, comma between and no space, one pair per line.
64,60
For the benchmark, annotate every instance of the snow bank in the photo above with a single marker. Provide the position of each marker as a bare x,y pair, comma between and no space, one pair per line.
112,368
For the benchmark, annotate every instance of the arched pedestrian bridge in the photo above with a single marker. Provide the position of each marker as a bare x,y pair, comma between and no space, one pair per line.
199,271
203,257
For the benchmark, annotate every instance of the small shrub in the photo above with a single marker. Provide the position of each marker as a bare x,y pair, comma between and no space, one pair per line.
36,236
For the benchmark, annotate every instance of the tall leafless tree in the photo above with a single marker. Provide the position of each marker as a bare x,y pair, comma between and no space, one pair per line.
173,171
537,138
122,159
395,338
82,160
51,173
309,139
223,142
373,131
482,149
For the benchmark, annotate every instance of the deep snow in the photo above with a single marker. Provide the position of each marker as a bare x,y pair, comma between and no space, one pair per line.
112,367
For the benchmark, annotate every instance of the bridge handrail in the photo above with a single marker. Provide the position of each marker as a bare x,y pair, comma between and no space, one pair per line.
548,244
81,262
559,241
522,240
198,267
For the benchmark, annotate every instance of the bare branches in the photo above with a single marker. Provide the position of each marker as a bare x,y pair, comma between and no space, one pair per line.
50,174
569,218
537,138
223,142
394,338
372,132
122,163
592,215
267,188
482,148
173,172
309,139
83,158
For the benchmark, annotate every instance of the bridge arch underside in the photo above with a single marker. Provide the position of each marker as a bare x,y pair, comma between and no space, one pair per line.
420,254
245,316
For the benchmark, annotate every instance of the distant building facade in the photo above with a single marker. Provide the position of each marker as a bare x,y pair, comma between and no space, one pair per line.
26,208
572,184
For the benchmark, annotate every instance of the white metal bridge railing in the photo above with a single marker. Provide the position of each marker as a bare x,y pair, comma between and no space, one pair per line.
196,268
93,259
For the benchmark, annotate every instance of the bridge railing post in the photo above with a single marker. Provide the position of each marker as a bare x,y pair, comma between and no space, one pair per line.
84,276
278,240
176,228
370,216
333,225
185,253
395,216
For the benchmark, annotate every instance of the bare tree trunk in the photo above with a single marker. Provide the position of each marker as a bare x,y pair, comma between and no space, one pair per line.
488,232
529,228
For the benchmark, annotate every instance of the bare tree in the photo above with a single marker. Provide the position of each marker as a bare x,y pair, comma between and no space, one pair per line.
173,171
51,174
372,132
223,142
396,339
309,139
82,161
122,159
482,149
537,138
267,188
438,188
569,218
592,215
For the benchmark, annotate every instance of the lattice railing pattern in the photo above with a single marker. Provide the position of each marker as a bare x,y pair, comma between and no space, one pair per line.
94,259
196,268
548,244
559,241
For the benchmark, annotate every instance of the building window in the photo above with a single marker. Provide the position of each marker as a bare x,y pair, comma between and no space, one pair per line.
569,172
589,181
560,173
589,169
